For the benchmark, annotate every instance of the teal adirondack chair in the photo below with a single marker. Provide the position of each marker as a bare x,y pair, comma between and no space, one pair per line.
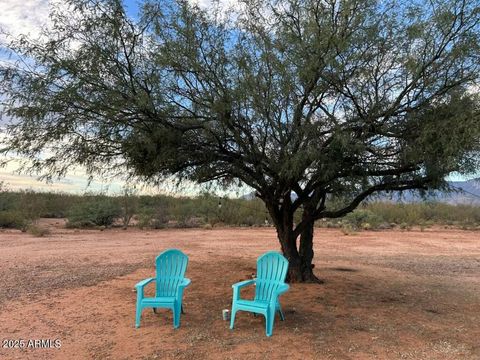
169,285
270,284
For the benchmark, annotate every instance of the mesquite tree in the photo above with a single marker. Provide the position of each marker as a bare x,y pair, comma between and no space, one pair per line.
315,104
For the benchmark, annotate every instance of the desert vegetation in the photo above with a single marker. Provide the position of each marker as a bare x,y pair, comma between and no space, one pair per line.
20,210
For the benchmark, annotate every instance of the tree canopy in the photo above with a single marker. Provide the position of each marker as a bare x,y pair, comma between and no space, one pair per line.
315,104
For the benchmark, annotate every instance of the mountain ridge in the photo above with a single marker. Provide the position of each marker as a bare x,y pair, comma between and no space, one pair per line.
463,192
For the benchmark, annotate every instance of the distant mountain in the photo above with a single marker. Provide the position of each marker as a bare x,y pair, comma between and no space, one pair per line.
464,192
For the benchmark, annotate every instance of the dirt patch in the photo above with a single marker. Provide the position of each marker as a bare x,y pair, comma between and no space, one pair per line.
39,279
387,295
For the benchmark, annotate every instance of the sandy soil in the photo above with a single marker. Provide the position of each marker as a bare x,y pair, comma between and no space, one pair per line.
387,295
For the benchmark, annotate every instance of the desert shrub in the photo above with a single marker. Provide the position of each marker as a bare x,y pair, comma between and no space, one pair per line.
12,219
143,220
240,212
19,209
363,219
30,206
348,229
366,226
95,211
128,202
38,231
154,216
57,205
384,226
427,213
404,226
329,224
194,222
8,201
36,204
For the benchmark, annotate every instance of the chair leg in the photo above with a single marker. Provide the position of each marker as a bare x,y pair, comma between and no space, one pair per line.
232,317
269,319
282,316
182,311
138,310
138,315
176,316
154,310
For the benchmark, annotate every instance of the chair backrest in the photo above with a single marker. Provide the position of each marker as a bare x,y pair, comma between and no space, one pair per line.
170,266
272,269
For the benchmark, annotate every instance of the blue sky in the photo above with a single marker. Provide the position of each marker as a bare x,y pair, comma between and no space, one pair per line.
27,17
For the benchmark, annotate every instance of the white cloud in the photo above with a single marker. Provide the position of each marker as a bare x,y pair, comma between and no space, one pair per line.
27,17
208,4
22,16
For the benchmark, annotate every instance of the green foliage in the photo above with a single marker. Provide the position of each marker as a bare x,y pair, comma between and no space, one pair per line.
12,219
426,213
94,211
404,226
31,206
152,217
38,204
162,211
56,205
385,215
364,219
19,210
387,106
128,202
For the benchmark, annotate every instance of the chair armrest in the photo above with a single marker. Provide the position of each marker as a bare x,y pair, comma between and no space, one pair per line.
185,282
282,288
236,288
241,284
142,283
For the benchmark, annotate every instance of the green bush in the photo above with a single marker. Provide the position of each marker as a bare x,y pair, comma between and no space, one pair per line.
404,226
12,219
152,217
427,213
96,211
363,219
57,205
38,231
20,209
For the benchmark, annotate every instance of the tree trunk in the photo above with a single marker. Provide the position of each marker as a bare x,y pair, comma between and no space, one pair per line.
300,267
289,249
306,254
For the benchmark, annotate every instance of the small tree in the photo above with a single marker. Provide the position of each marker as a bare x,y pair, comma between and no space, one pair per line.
30,206
129,205
315,104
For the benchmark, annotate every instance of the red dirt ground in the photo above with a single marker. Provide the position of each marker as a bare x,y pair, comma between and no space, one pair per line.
387,295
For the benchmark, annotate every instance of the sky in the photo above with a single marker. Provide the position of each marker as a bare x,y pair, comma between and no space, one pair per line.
26,17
